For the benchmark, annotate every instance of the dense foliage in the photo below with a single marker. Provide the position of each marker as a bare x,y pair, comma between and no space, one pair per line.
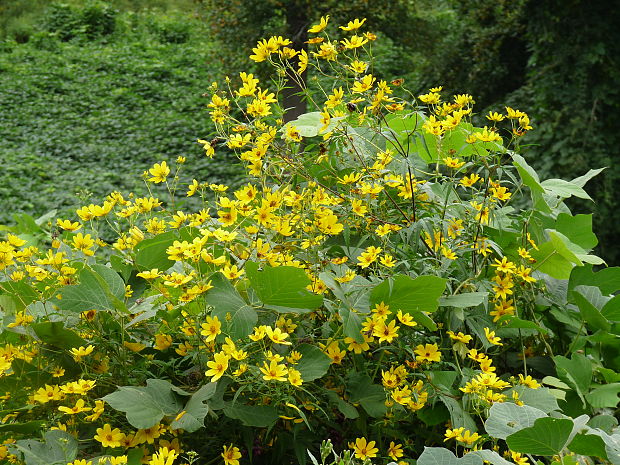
93,109
390,276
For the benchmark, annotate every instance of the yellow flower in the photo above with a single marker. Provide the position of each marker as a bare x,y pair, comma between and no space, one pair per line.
406,318
211,329
453,433
274,371
47,393
460,337
428,352
470,181
504,266
518,458
81,352
277,335
67,225
163,456
319,27
159,172
354,42
77,408
363,449
528,381
232,272
162,341
291,134
363,84
294,377
490,335
386,332
231,455
218,366
395,451
495,116
468,437
352,25
109,437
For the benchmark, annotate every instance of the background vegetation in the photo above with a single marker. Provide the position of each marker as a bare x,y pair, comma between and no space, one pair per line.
113,85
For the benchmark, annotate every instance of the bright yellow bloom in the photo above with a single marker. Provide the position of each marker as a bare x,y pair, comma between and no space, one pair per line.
460,337
386,332
294,377
277,335
274,371
67,225
528,381
490,335
81,352
319,27
218,366
352,25
159,172
428,353
164,456
363,84
47,393
231,455
77,408
109,437
162,341
211,328
363,449
395,451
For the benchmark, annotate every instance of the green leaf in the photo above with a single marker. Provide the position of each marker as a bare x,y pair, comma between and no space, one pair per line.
259,416
100,288
195,410
491,456
370,396
582,180
611,310
58,448
607,279
604,422
27,427
576,372
507,418
313,364
528,175
146,406
458,415
512,322
308,124
151,253
555,257
564,189
344,407
443,379
605,396
541,398
590,313
23,294
409,295
589,445
442,456
578,229
351,323
547,437
284,286
55,333
226,301
469,299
